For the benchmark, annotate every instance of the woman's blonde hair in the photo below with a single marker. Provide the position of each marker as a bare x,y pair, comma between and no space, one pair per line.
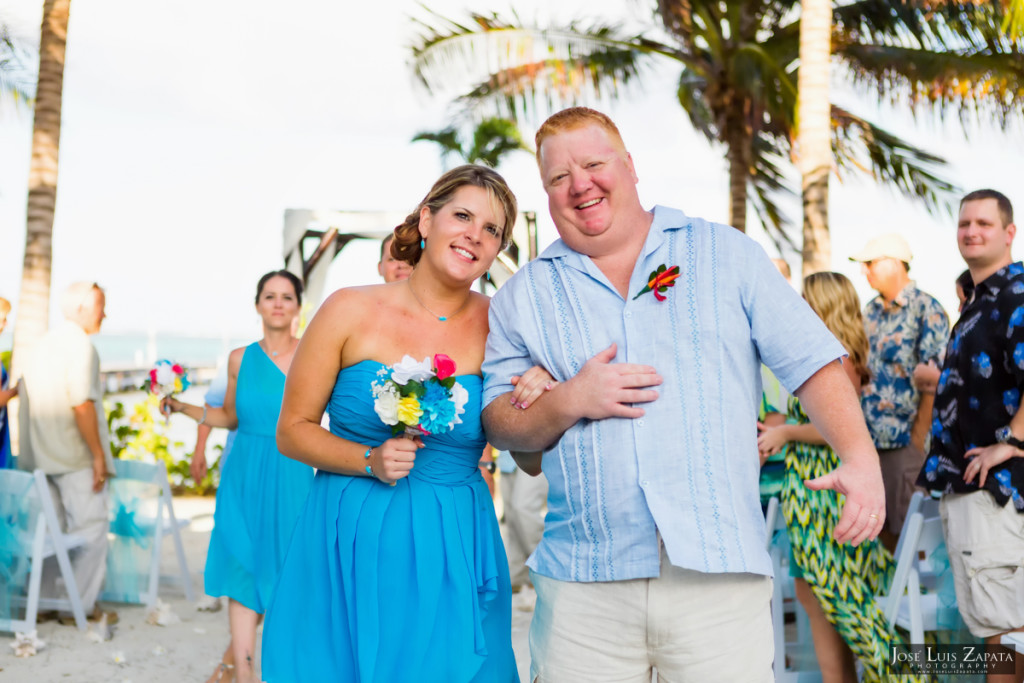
833,298
406,245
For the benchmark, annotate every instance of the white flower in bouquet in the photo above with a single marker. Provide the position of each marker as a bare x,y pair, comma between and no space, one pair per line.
460,396
385,403
411,369
164,374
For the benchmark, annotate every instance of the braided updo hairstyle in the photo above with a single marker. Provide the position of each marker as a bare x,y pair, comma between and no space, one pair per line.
406,245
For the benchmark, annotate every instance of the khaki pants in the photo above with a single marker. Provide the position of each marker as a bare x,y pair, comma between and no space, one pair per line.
985,543
692,626
524,498
82,512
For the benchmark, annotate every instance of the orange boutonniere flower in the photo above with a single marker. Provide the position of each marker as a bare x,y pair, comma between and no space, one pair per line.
659,281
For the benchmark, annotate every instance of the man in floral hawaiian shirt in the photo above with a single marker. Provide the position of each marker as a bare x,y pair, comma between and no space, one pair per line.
976,458
905,327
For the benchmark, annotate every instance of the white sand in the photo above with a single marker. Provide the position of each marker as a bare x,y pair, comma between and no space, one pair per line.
192,648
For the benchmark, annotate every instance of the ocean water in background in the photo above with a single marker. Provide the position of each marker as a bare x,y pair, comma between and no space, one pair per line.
124,351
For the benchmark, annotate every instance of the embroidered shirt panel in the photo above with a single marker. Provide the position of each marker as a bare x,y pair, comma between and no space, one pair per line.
914,329
689,467
979,389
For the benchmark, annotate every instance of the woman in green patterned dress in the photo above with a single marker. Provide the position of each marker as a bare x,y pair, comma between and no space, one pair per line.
836,583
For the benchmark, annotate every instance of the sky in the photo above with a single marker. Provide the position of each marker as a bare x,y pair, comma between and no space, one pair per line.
190,126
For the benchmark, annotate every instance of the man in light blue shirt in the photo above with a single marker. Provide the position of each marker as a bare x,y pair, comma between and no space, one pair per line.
655,325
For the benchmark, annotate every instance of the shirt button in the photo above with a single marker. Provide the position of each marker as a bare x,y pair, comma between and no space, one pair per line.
640,422
629,314
644,483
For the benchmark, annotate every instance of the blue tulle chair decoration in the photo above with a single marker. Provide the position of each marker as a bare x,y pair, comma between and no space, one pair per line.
133,509
19,516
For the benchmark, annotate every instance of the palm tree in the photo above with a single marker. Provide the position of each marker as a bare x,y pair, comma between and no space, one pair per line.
34,298
814,126
493,138
738,64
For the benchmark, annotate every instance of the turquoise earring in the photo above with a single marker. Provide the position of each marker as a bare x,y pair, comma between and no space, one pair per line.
423,243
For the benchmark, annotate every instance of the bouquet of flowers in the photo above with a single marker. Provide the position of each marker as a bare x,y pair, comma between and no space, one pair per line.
167,378
419,397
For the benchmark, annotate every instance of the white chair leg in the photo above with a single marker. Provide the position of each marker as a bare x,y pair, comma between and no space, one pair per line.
778,627
179,549
36,573
914,601
71,585
154,563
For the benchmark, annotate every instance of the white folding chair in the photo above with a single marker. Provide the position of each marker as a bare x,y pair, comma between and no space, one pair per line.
803,665
906,605
142,515
32,534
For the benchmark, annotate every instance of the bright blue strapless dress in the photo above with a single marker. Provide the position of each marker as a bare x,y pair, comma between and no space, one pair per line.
395,584
260,495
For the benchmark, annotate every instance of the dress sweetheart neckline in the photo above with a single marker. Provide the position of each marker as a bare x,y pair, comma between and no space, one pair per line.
377,362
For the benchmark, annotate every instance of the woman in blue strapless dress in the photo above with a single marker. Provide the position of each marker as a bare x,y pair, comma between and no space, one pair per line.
261,492
396,571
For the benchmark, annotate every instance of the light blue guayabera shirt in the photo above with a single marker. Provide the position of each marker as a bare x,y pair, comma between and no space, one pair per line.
689,468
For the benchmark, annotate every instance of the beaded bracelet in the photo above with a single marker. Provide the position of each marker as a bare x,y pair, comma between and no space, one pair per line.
367,456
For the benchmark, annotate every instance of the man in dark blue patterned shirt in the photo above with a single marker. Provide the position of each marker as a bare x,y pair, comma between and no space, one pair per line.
905,327
977,453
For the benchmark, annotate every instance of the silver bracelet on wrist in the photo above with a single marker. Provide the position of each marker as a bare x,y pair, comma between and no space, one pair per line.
203,419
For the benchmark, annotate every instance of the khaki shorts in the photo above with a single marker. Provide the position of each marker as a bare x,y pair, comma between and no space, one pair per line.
986,552
692,626
900,467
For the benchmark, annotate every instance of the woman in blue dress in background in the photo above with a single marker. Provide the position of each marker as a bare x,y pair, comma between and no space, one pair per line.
396,571
261,492
6,394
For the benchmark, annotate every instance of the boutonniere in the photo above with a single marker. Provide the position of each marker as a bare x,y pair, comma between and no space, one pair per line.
659,281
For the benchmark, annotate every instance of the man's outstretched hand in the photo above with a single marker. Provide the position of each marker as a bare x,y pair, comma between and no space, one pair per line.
864,510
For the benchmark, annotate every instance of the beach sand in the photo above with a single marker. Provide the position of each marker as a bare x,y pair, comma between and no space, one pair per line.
183,652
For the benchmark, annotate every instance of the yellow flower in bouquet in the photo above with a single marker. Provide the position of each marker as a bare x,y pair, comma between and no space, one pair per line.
409,410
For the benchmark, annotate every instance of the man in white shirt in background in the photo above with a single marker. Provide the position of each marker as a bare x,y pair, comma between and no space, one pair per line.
64,433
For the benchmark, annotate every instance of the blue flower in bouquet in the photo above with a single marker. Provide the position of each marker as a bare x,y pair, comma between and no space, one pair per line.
438,408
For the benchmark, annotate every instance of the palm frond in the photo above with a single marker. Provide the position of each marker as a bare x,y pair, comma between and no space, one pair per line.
984,84
690,94
506,60
16,79
447,139
860,144
493,138
957,25
768,183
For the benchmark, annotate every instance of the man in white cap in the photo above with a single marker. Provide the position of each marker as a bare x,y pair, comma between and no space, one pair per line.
905,326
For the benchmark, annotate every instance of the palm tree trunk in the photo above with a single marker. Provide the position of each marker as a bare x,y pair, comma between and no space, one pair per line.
34,298
814,123
738,139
